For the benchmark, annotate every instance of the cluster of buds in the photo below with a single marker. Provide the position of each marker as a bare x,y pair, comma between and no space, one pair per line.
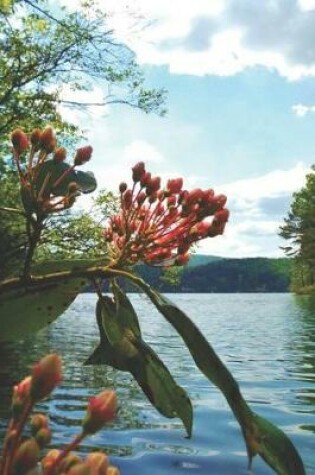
22,456
159,225
41,184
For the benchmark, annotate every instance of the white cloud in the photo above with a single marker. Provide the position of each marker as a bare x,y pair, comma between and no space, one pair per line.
223,37
301,109
307,5
253,227
141,151
218,37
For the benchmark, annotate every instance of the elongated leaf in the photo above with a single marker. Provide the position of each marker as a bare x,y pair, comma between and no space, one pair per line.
261,437
30,307
122,347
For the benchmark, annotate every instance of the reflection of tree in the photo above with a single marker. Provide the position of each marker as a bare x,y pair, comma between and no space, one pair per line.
304,349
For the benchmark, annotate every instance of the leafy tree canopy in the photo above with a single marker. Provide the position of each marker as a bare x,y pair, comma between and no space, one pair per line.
44,48
299,230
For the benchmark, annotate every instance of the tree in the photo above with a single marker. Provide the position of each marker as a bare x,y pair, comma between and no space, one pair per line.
299,230
43,48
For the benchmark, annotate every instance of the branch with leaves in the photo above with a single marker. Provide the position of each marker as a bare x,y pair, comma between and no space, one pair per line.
156,225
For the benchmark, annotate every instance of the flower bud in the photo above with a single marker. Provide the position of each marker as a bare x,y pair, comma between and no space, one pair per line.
101,409
19,140
154,185
83,155
49,459
47,141
26,457
35,138
21,395
138,171
98,462
182,259
46,374
38,422
127,199
60,154
43,437
69,461
122,187
112,470
80,469
174,185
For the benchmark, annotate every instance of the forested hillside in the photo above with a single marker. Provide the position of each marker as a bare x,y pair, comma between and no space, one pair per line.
211,274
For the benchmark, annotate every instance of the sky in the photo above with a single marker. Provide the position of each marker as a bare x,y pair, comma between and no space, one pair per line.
241,108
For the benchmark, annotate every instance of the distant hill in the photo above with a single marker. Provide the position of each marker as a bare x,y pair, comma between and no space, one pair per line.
238,275
201,260
216,274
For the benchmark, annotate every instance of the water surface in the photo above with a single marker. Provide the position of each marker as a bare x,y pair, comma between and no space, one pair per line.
266,340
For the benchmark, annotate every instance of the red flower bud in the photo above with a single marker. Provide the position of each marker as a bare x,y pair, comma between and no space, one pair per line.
138,171
101,409
153,185
145,179
19,140
45,376
122,187
80,469
83,155
127,199
174,185
98,462
26,457
60,154
141,198
69,461
38,421
49,459
182,259
21,395
35,138
193,196
47,140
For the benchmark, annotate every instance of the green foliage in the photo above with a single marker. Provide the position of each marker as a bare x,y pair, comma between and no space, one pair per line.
220,275
44,49
35,304
37,292
299,230
261,437
121,340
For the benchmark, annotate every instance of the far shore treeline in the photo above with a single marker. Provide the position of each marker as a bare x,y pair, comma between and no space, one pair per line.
216,274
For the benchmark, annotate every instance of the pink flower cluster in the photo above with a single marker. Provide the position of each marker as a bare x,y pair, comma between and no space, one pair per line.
159,225
38,191
22,455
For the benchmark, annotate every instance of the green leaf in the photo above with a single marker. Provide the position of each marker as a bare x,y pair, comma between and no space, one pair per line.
29,307
261,437
121,346
25,311
277,449
85,180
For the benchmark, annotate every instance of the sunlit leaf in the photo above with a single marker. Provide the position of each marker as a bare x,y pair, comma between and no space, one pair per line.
85,180
261,437
29,307
122,347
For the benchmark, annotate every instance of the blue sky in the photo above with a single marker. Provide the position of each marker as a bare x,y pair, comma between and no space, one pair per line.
241,108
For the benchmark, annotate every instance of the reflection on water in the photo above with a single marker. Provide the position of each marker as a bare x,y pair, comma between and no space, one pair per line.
266,340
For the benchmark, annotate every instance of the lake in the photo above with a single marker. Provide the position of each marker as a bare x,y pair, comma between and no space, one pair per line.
266,340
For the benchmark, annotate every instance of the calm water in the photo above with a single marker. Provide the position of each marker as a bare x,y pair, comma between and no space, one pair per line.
266,340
